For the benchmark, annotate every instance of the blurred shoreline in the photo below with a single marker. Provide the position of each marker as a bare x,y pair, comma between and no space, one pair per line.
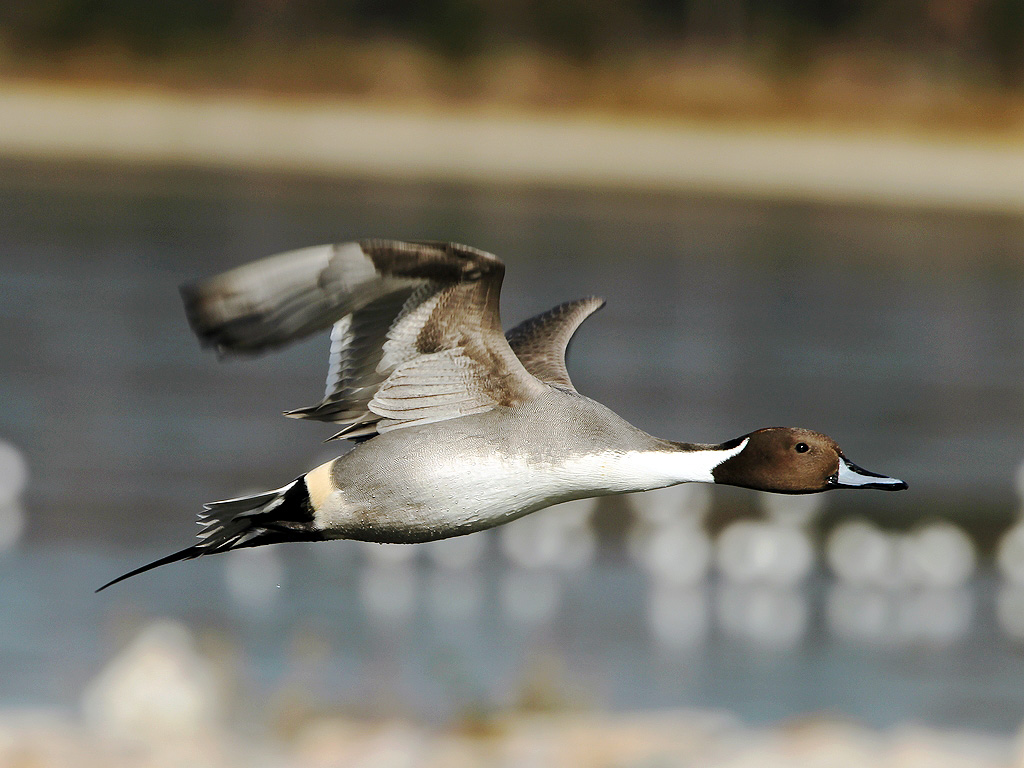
562,740
329,137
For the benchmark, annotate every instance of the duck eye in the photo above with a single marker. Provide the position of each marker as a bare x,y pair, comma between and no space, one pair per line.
802,447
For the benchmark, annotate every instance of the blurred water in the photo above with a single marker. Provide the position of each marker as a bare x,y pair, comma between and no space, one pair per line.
900,334
409,639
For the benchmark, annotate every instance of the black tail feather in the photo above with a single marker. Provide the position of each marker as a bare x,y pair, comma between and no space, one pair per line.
250,521
188,553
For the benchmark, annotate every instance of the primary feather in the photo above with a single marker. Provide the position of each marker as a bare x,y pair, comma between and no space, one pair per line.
416,334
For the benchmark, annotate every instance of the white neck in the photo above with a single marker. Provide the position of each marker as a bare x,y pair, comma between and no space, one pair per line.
646,470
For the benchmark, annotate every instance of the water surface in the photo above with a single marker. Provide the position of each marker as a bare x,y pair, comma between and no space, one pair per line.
901,334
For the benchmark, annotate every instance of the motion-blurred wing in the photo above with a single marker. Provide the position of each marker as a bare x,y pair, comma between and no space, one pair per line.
416,332
540,342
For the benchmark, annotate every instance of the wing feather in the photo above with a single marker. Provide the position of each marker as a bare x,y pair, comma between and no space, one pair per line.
541,342
416,333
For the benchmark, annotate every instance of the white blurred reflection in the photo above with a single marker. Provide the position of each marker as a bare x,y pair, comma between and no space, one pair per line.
1010,554
793,510
158,688
388,591
531,542
667,538
558,537
861,554
667,505
676,553
388,554
13,473
764,614
1010,610
928,617
579,539
458,552
253,577
677,616
333,554
13,479
12,524
530,597
574,515
753,551
937,555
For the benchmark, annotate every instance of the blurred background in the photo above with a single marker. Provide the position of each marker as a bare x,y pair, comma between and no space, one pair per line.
800,213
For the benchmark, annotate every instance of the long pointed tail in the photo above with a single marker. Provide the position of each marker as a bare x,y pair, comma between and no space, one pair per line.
248,521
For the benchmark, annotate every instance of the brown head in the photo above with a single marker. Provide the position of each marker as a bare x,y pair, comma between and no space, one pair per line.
794,460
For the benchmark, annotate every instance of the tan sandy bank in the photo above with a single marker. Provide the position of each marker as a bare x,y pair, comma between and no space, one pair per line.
46,739
342,139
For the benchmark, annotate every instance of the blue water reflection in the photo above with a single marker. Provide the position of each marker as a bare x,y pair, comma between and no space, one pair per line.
901,334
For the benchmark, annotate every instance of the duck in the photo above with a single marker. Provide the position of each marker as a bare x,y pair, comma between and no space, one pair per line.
456,425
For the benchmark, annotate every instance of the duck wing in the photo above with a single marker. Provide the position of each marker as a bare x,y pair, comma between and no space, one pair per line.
541,342
416,334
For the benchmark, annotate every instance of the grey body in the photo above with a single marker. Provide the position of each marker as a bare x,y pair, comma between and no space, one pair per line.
478,471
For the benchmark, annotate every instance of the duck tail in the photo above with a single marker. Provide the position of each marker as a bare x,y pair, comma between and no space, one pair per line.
248,521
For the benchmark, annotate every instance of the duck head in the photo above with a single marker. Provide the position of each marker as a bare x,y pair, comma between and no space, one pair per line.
793,460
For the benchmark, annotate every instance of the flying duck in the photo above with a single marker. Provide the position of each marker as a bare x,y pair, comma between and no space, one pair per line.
457,426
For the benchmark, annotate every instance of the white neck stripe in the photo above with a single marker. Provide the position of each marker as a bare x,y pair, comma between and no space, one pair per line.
692,466
646,470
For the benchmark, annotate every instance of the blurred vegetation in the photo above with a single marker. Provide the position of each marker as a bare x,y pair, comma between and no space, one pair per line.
549,51
982,35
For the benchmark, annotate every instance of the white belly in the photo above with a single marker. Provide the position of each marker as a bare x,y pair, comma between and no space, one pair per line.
452,495
454,499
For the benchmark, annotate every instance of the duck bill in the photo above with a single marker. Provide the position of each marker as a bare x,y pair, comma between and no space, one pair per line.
852,476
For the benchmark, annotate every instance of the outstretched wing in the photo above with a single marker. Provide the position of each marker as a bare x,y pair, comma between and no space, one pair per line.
540,342
416,338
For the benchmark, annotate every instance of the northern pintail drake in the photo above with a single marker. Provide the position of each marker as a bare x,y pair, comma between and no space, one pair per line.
458,426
